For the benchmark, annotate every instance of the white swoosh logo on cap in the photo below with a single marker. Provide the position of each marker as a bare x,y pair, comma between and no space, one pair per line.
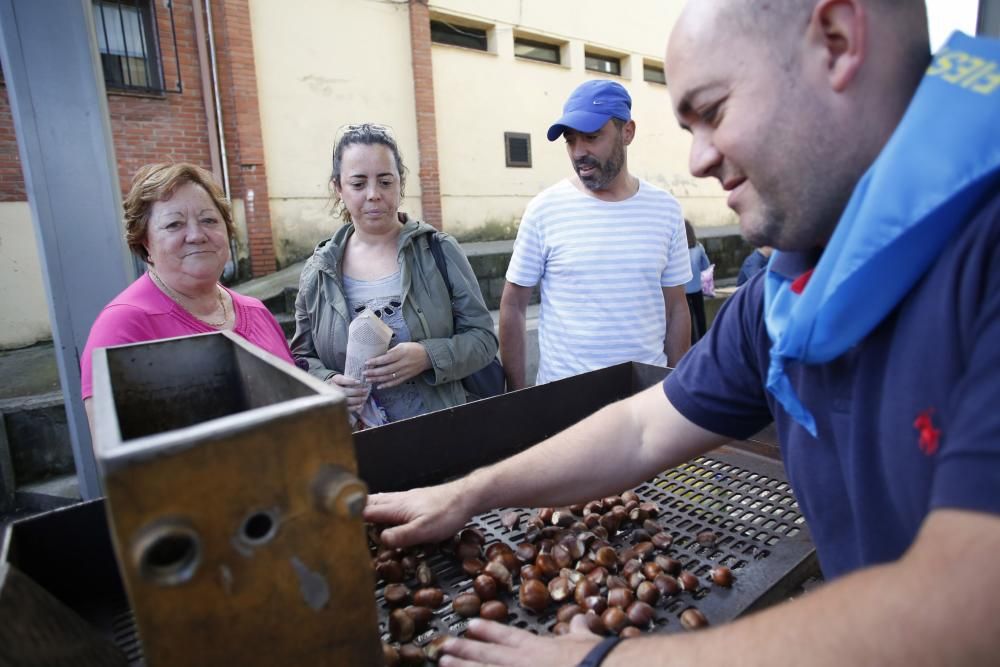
597,102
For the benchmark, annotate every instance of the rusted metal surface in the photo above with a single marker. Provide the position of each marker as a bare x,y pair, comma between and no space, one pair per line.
234,506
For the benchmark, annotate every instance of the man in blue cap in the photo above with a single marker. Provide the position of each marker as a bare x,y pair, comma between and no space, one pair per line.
608,248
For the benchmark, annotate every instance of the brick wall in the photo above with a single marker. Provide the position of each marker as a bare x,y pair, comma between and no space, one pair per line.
172,127
423,89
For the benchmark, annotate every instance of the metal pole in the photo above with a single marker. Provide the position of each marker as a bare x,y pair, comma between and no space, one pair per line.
57,100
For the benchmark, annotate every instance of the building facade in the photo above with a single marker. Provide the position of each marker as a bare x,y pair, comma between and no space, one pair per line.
256,91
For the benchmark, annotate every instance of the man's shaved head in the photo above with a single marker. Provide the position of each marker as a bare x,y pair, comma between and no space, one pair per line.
790,101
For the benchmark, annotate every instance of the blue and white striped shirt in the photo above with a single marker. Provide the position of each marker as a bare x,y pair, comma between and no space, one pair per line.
602,266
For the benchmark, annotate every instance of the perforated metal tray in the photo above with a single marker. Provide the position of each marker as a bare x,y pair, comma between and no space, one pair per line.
742,497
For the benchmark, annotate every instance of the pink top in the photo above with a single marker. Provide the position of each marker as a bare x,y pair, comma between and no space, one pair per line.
142,312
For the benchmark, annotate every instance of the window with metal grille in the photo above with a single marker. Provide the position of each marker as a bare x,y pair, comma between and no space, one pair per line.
532,50
653,73
128,44
601,63
517,146
443,32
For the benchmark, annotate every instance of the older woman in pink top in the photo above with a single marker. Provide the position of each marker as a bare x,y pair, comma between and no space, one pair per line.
178,221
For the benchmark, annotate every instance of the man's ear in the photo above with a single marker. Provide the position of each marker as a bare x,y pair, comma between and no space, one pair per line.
628,132
839,29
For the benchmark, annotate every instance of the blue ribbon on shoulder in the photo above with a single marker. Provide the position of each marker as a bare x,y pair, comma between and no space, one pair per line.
935,169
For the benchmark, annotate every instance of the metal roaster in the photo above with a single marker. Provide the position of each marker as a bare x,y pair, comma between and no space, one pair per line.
236,486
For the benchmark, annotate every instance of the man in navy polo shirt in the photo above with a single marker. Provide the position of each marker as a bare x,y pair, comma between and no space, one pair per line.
872,341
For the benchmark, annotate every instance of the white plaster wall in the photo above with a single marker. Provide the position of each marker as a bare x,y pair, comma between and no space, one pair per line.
479,96
321,65
22,293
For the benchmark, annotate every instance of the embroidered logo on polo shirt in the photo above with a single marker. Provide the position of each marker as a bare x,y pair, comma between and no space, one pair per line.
929,435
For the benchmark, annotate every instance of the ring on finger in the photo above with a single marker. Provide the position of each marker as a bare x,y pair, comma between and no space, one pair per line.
394,376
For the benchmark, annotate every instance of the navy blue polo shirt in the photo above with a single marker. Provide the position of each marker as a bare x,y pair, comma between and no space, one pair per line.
908,420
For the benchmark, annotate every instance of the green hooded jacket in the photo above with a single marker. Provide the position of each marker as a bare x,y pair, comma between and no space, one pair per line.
457,334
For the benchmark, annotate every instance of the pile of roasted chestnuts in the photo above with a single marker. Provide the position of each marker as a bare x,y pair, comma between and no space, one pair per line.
566,564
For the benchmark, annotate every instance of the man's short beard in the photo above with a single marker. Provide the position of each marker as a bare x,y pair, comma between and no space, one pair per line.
605,172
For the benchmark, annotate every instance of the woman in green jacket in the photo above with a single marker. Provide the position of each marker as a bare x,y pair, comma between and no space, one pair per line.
381,260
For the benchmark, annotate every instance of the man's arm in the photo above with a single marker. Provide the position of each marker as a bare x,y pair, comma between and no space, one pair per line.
616,448
678,336
513,306
937,605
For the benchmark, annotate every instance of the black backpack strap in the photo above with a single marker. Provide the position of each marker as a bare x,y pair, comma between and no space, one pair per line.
435,245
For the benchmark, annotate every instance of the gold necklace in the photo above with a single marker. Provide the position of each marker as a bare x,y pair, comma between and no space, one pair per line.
176,299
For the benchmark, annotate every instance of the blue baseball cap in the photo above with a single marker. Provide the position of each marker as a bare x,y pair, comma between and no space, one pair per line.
591,105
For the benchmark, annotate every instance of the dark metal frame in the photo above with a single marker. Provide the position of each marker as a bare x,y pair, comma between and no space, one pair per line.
507,137
151,49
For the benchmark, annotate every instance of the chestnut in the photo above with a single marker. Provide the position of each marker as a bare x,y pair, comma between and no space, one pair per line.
545,545
428,597
599,531
435,648
662,540
609,523
593,507
640,535
578,526
650,508
614,619
614,581
473,566
647,592
568,611
466,604
560,628
421,616
651,527
497,570
467,550
640,613
595,603
574,576
606,557
585,589
560,589
631,567
577,508
562,518
643,550
620,513
594,623
591,520
611,501
585,566
561,556
666,585
630,497
411,654
494,610
547,565
485,587
636,579
545,514
651,570
526,552
630,632
510,520
425,576
688,581
721,576
401,626
638,515
472,535
620,597
530,572
669,565
495,549
396,594
692,619
706,538
533,595
599,576
390,655
391,571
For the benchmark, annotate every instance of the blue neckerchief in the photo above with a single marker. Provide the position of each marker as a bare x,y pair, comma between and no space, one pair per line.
941,160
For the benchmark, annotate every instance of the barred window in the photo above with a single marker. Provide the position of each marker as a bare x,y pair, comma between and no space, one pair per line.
128,44
517,146
443,32
653,73
534,50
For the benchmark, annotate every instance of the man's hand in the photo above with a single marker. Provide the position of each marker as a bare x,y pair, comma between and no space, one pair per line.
489,643
431,514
